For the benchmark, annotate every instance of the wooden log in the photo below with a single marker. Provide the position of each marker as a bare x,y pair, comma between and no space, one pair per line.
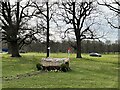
54,63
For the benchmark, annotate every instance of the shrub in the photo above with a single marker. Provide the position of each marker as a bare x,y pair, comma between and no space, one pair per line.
65,67
39,66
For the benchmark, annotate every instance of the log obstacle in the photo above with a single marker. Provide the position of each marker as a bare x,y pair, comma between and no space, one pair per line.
49,64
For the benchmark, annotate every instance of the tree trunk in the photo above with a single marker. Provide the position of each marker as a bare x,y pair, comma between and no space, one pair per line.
78,48
14,49
48,49
9,48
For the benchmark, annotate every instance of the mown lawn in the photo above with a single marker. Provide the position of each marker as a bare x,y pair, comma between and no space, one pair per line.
88,72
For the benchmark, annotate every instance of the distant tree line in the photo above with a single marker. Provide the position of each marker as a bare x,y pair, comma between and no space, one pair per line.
86,47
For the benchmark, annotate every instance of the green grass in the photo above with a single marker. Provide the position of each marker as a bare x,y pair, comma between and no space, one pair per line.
88,72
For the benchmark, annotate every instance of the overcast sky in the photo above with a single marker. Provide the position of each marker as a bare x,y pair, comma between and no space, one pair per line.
112,34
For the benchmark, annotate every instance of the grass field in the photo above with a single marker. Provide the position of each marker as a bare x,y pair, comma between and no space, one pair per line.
88,72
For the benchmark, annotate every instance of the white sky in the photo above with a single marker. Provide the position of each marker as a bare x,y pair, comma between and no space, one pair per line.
112,33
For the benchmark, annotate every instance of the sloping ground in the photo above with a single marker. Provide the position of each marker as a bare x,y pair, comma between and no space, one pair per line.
88,72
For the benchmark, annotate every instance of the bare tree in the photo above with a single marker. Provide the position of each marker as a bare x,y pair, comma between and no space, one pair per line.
113,5
45,14
76,14
15,28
